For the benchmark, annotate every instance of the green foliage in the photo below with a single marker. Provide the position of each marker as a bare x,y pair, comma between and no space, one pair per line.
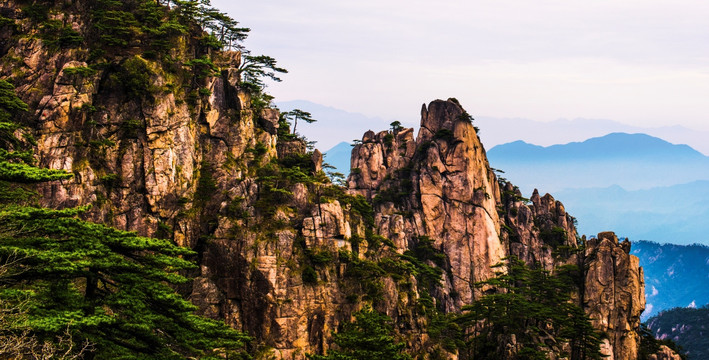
444,330
109,287
10,104
135,77
297,114
444,134
210,41
319,257
16,164
115,25
164,231
284,132
225,29
368,274
206,185
79,282
202,67
132,128
399,189
309,275
56,34
82,71
389,140
110,180
254,68
465,117
7,22
37,13
369,337
649,345
532,305
685,326
396,126
554,236
421,255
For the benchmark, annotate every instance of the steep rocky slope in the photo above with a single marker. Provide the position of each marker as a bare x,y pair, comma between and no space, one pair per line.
441,186
166,150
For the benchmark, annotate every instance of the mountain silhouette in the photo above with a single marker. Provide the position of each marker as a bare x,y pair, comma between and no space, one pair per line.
632,161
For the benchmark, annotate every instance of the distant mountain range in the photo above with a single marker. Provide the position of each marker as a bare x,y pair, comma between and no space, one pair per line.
497,131
675,275
674,214
632,161
640,186
336,125
614,146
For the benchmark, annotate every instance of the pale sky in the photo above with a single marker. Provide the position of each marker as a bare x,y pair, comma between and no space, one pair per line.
643,63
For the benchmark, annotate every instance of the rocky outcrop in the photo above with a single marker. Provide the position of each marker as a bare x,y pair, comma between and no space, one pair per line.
536,229
448,192
439,186
665,353
281,252
614,293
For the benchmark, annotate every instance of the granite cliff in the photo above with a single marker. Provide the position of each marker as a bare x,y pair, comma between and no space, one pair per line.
165,150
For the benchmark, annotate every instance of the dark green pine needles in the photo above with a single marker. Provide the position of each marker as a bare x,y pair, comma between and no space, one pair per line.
369,337
534,307
108,287
69,286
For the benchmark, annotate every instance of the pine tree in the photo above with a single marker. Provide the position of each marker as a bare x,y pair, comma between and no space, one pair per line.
369,337
532,306
65,278
297,114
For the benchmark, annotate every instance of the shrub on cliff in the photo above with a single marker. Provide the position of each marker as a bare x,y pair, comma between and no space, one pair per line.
66,283
530,311
369,337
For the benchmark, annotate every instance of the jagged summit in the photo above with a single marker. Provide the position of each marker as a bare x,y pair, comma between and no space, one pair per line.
182,148
440,185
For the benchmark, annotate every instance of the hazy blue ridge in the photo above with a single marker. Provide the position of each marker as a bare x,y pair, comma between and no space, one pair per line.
632,161
672,214
675,275
339,157
611,146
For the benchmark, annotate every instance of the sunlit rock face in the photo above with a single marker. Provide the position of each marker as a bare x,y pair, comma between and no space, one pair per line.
192,170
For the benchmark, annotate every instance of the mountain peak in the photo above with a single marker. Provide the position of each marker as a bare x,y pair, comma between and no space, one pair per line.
616,145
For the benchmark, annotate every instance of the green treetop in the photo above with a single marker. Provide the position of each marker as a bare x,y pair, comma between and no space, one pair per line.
533,306
297,114
65,282
369,337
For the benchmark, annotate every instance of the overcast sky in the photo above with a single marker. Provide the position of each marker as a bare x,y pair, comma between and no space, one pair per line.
644,63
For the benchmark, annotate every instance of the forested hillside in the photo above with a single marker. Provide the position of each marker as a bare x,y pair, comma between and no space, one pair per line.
687,327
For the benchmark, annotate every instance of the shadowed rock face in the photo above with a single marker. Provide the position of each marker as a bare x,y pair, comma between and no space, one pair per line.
189,171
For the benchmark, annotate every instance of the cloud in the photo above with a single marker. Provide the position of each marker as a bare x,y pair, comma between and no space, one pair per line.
639,62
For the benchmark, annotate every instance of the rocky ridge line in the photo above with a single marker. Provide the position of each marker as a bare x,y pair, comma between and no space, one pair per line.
196,170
